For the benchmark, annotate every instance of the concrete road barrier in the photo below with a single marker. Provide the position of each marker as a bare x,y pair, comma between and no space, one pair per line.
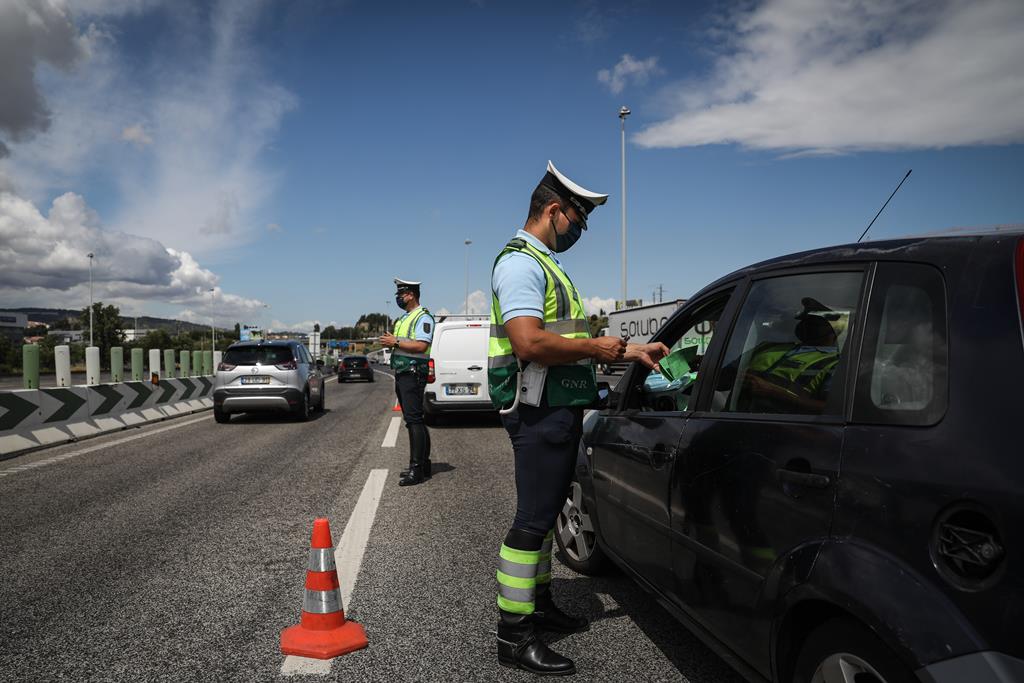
33,418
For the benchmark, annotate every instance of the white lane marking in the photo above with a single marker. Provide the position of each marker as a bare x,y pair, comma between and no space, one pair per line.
349,553
348,556
97,447
392,435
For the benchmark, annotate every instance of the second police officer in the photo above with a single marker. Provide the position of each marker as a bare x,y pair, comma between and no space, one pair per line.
410,344
541,351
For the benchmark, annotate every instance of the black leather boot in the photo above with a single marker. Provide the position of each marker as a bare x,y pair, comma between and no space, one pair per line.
547,616
426,452
414,475
520,648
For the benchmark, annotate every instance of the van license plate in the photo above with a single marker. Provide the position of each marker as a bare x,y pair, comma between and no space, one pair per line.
256,379
461,389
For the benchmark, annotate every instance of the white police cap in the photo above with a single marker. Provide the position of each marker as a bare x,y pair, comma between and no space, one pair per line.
581,198
402,285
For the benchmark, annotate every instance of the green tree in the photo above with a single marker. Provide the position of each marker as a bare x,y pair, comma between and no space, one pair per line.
157,339
107,329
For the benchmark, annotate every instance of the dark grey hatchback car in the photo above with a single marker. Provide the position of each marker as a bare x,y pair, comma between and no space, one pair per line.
826,481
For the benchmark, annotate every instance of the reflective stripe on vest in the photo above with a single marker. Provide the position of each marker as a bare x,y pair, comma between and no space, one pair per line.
566,385
405,330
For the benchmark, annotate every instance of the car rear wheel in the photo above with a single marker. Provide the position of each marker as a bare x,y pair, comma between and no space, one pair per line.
576,537
220,416
302,410
843,651
323,399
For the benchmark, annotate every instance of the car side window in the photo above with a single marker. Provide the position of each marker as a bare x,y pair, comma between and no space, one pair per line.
787,346
903,370
670,388
303,354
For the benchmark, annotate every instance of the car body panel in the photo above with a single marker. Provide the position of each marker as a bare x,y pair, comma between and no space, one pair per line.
284,387
459,352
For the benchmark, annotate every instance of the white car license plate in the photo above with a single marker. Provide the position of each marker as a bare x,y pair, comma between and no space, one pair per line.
256,379
461,389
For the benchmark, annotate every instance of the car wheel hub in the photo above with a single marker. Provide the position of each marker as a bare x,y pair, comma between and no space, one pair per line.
844,667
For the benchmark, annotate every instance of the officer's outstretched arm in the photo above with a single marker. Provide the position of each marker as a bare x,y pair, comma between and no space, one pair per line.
531,342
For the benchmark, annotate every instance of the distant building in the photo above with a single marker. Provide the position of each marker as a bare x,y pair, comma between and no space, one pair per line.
12,325
131,334
68,336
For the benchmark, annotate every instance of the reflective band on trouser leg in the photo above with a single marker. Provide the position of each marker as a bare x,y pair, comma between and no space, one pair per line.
544,559
517,571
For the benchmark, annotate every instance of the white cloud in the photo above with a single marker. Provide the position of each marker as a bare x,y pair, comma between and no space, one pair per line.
43,261
205,114
595,304
303,326
479,304
136,135
639,71
274,227
442,311
856,75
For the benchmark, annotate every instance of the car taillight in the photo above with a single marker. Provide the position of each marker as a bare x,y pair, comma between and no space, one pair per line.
290,365
225,367
430,371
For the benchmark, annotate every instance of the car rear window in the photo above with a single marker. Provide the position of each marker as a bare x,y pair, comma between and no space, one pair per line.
258,355
903,369
462,344
356,362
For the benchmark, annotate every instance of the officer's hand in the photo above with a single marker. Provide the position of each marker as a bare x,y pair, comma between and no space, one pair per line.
648,354
608,349
388,339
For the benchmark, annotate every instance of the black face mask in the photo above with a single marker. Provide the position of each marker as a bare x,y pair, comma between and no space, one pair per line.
564,242
400,301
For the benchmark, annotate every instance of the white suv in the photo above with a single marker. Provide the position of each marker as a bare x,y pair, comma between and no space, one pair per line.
458,367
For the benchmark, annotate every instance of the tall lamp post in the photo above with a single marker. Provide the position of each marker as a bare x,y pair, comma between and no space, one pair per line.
91,256
468,242
213,334
623,113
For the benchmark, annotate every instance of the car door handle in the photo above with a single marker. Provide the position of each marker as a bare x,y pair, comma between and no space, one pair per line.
816,481
474,367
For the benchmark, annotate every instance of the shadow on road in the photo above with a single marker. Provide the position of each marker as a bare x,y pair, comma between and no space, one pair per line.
580,596
272,417
466,420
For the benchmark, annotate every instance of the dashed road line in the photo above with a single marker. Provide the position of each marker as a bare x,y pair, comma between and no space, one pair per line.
82,451
392,434
348,556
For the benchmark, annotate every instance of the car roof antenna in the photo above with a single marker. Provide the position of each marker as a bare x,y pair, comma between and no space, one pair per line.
884,205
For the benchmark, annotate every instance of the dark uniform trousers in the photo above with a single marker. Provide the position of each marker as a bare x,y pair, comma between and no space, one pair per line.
545,442
409,387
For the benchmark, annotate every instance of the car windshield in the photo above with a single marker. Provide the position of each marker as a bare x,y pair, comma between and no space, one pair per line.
258,355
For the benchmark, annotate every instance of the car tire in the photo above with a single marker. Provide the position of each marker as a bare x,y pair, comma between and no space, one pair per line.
220,416
576,536
372,378
302,410
323,398
841,649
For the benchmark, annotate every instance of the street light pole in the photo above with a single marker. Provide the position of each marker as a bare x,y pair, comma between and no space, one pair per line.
213,334
623,113
468,242
91,255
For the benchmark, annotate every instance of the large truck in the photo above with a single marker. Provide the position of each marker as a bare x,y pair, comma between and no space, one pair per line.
638,324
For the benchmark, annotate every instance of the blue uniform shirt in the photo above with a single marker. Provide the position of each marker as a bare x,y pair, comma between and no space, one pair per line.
424,328
519,281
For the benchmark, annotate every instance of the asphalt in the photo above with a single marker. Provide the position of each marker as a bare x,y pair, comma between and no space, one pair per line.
180,556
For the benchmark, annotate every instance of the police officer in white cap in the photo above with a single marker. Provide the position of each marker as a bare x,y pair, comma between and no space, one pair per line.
541,374
410,344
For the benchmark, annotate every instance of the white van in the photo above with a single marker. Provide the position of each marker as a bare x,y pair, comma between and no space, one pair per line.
458,363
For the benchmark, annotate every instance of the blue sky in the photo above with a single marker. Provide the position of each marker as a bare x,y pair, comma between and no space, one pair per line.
297,156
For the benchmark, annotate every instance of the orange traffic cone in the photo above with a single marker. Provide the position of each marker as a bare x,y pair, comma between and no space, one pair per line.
323,632
397,408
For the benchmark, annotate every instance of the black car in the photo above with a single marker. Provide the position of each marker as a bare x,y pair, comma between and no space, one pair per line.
355,367
825,483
